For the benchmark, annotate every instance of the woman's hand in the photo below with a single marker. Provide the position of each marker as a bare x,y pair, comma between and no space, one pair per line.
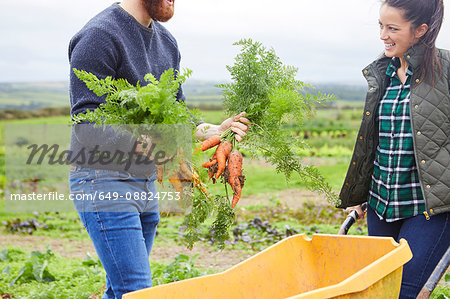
358,210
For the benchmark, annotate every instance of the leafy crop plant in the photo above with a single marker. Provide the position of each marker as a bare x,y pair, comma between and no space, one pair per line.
273,98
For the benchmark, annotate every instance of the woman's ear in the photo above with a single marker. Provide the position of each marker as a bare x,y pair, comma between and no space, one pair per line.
420,31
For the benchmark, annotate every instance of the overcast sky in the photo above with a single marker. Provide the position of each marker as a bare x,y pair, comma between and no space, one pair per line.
328,40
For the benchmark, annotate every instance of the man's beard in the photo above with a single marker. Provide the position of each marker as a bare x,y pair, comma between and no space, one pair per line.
157,10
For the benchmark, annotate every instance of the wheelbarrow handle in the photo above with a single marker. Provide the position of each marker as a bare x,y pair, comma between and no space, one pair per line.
431,283
351,218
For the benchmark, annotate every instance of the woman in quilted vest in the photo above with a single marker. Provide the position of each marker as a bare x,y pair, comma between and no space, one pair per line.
401,161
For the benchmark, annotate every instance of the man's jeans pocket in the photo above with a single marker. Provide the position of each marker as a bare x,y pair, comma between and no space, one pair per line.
104,176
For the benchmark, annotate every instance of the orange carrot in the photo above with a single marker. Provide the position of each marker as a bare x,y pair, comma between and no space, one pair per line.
235,171
212,171
209,163
160,173
198,183
210,142
185,171
196,178
222,152
235,164
236,197
176,182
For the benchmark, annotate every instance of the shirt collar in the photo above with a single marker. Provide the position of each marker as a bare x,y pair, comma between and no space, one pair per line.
393,66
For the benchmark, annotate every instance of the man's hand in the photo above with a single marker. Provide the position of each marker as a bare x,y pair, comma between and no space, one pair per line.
238,124
144,146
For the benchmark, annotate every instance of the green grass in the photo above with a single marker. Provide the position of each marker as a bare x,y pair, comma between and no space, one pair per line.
213,116
45,120
264,180
335,172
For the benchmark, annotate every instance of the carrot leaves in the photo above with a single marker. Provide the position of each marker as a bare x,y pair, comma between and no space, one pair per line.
275,102
154,103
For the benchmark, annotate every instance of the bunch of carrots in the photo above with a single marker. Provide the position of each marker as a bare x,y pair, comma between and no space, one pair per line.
225,162
180,175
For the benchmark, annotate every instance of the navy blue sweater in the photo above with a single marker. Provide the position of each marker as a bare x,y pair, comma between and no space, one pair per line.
115,44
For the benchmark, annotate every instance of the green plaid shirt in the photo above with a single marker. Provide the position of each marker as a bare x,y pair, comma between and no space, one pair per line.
395,191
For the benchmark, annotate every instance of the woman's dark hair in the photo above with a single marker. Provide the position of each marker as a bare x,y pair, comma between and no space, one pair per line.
418,12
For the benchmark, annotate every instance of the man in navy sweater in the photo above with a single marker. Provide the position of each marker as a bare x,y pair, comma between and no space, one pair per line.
127,41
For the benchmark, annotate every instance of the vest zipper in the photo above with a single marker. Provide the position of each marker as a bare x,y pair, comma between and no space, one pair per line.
416,157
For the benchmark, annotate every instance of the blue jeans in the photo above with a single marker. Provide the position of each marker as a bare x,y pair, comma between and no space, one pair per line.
428,240
121,220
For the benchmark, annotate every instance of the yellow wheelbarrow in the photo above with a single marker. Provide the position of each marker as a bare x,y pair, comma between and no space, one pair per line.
325,266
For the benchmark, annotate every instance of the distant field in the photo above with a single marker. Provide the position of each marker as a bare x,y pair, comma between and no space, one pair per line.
204,98
45,120
30,96
321,119
32,100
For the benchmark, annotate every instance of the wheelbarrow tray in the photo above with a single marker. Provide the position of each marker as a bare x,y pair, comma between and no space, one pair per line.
325,266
